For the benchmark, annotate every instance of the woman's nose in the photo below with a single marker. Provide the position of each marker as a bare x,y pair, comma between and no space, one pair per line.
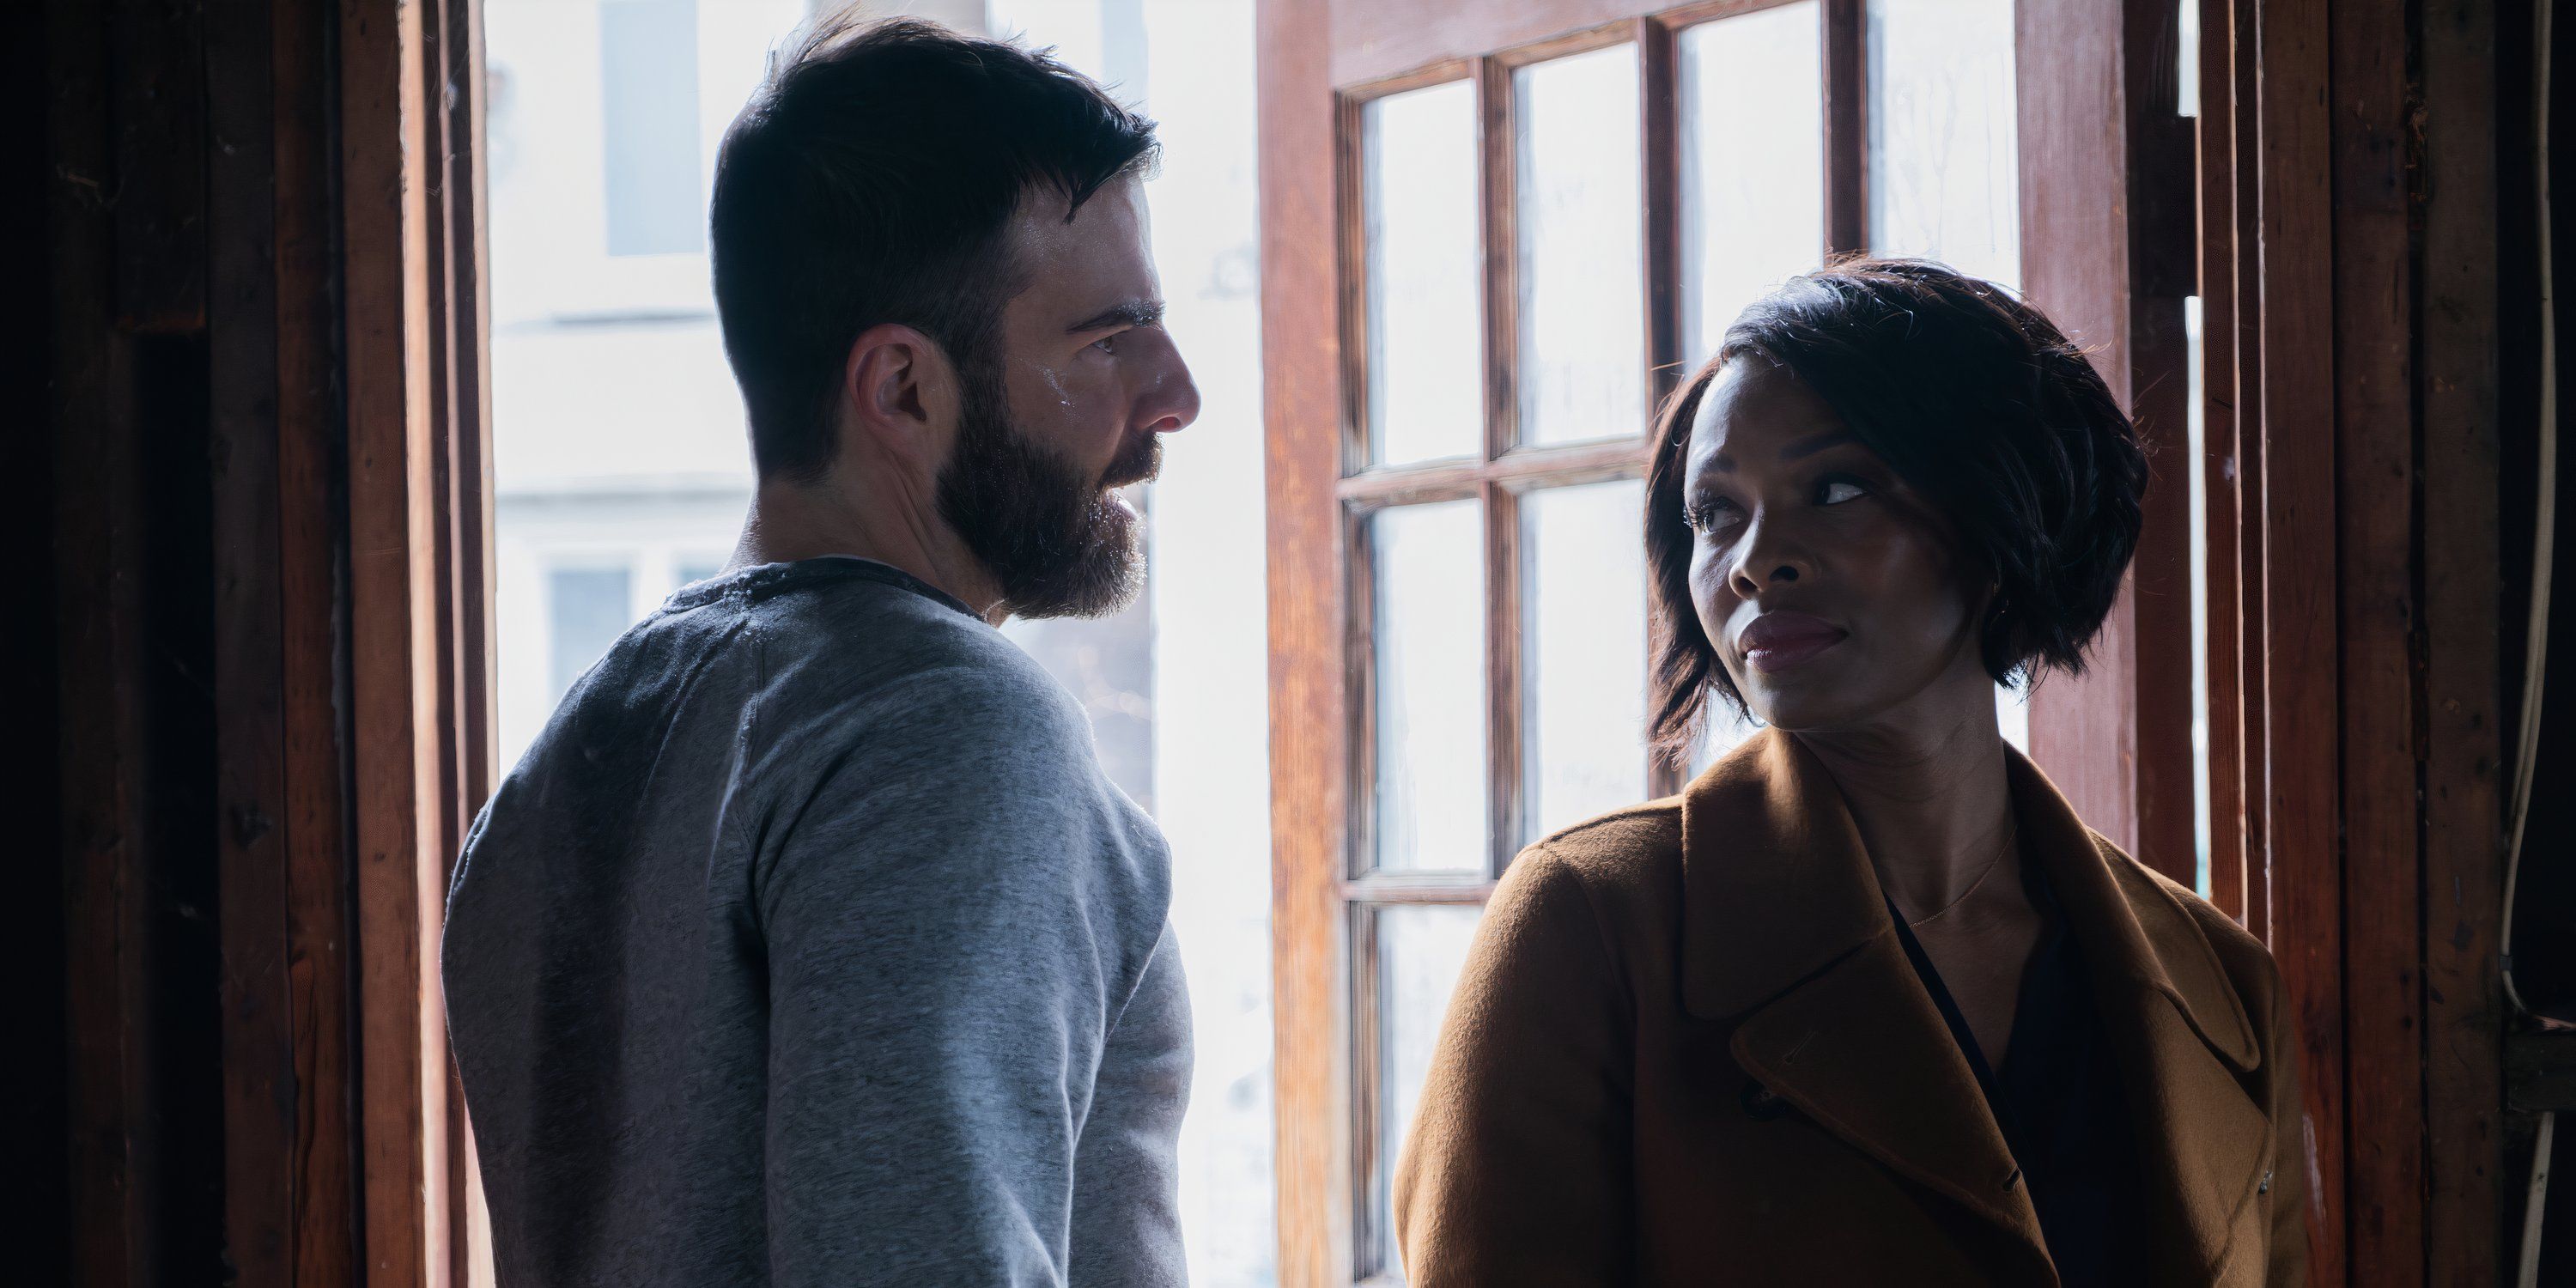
1764,559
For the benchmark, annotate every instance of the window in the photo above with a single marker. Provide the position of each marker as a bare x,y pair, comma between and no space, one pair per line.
586,610
648,60
1539,238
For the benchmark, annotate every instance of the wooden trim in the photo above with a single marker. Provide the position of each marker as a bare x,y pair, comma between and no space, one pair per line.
1617,31
2219,419
2162,266
1374,1254
1846,58
2075,268
2462,615
2252,732
2301,799
1372,43
288,1182
1405,888
1498,227
1506,695
392,595
1659,47
2112,273
2215,163
1659,134
249,679
1498,142
97,492
1680,17
419,694
1303,408
1451,480
2374,471
1349,196
1423,77
1359,667
461,407
313,601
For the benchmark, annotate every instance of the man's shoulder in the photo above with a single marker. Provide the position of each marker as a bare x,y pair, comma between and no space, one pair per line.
854,629
894,674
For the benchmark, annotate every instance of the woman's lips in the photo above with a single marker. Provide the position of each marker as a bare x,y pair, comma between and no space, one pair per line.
1779,640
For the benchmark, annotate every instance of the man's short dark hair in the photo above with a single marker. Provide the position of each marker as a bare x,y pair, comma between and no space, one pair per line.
873,179
1979,403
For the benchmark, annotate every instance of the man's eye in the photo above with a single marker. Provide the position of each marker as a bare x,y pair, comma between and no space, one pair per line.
1837,491
1107,343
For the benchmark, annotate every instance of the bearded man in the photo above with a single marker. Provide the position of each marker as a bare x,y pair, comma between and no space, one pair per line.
809,943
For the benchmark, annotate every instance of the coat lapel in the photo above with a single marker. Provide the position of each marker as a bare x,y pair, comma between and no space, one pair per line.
2177,1026
1787,934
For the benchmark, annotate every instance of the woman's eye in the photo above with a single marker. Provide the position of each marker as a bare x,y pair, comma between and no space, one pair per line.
1837,491
1709,516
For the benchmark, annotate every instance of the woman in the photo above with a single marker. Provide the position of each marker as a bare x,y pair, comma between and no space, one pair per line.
1868,1004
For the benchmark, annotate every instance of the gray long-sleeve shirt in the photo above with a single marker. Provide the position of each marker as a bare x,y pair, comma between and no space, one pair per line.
809,945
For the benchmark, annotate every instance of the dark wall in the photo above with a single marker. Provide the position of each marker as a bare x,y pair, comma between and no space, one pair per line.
32,1140
113,933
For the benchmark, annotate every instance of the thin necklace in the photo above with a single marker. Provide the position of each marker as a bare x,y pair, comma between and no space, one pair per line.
2011,834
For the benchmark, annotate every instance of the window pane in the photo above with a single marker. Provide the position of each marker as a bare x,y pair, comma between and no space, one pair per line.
1583,731
1753,163
1424,380
1430,636
1582,277
648,76
1420,948
1944,179
586,610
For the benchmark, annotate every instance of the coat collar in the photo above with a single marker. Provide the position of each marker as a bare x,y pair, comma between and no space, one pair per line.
1765,831
1785,932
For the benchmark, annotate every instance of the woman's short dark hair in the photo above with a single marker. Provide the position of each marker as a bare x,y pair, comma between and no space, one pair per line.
1974,399
873,179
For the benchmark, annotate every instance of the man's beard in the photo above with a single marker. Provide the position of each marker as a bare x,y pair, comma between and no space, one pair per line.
1053,539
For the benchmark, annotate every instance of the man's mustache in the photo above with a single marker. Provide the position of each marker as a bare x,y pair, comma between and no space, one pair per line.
1138,464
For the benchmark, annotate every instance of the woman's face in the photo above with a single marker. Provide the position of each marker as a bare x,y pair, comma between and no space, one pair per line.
1830,590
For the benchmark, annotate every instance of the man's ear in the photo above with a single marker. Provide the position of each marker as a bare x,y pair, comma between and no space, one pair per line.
899,393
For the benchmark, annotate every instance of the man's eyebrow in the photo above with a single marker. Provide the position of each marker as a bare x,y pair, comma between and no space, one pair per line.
1123,313
1808,447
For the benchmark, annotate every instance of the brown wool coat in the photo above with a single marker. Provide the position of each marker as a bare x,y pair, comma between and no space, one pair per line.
1688,1049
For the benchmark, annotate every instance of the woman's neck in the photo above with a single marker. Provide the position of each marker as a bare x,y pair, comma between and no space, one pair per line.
1929,792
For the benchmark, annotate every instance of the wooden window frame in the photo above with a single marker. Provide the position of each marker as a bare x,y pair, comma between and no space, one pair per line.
2114,273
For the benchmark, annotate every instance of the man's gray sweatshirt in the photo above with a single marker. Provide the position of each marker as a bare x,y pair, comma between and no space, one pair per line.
809,945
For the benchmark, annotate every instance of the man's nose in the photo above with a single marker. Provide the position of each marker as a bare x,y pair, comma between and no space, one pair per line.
1171,402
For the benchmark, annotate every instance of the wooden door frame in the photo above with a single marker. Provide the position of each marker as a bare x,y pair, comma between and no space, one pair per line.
351,517
415,330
